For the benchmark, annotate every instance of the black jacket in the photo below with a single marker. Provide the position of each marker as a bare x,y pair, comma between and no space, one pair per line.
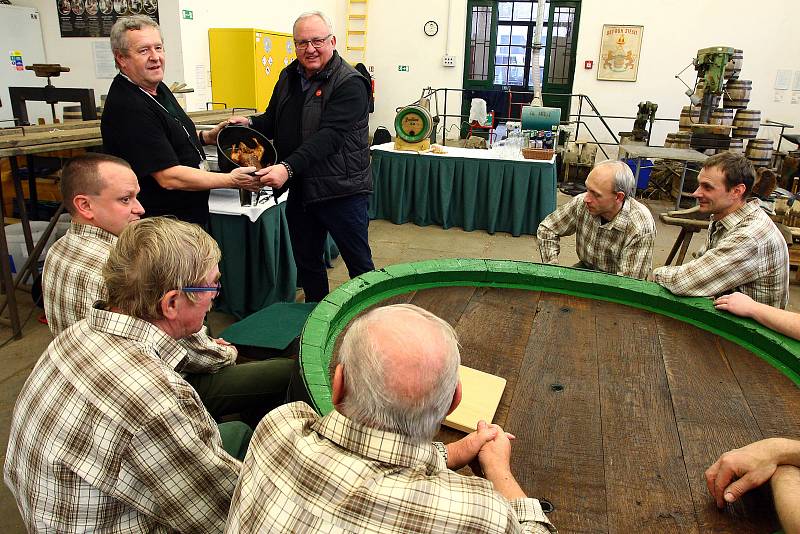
323,132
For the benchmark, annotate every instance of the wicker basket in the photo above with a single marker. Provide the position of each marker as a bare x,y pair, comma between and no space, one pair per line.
538,153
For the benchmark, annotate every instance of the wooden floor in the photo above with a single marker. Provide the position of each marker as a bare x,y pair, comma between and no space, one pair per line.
617,411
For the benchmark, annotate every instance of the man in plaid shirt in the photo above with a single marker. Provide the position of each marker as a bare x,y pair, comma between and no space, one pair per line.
106,435
744,251
100,192
369,465
614,232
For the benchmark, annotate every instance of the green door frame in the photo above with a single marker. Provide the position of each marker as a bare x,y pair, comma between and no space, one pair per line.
565,89
555,100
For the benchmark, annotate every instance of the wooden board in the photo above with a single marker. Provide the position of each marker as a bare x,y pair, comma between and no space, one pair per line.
713,417
555,414
641,447
480,395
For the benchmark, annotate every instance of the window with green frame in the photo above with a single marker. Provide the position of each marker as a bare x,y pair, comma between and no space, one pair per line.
516,28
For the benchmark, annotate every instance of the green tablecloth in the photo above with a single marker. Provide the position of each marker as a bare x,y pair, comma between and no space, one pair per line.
257,264
488,194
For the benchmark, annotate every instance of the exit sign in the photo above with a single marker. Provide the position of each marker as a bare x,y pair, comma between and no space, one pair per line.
402,68
188,14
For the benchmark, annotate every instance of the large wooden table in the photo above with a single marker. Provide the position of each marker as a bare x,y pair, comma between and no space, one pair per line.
617,411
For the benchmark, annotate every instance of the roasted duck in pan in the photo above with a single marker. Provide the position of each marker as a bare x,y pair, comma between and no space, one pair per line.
244,156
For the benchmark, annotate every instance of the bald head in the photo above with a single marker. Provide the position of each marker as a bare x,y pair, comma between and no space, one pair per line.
400,366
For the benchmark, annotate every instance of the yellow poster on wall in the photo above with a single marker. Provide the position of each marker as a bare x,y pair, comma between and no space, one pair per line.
620,47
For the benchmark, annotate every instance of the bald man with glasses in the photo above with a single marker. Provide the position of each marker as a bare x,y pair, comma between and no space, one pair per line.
318,120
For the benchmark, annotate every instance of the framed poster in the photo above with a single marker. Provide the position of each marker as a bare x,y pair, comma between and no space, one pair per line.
619,53
94,18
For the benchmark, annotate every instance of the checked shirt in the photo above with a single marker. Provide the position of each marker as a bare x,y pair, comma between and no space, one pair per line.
303,473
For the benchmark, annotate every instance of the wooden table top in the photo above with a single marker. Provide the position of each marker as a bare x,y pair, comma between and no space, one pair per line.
618,411
79,134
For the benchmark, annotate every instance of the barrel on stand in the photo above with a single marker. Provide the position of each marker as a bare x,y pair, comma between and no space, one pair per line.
746,123
759,152
678,140
737,94
72,114
734,66
689,115
722,116
736,146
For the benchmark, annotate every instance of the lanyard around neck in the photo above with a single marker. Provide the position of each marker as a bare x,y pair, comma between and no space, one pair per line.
180,123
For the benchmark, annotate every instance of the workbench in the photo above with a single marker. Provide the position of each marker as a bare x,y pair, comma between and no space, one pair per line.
639,152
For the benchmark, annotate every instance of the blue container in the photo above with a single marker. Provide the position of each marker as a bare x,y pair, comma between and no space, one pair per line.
644,172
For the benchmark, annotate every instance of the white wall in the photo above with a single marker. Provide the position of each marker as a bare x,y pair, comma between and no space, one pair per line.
396,37
673,32
76,52
266,15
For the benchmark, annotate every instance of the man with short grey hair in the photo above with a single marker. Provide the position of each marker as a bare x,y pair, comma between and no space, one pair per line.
614,233
369,465
318,118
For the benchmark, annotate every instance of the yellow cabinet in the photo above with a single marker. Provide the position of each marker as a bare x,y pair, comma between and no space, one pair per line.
245,65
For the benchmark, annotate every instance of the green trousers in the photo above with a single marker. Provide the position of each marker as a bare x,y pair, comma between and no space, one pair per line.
246,391
235,438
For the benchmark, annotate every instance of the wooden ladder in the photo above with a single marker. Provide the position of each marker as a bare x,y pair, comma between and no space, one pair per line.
356,37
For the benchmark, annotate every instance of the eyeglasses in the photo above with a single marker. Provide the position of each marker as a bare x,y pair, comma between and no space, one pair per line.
204,289
319,42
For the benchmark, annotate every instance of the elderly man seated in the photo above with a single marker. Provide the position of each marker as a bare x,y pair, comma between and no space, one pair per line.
369,465
614,232
106,435
744,251
99,191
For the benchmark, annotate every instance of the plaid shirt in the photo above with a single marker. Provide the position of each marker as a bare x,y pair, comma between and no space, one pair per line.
623,245
72,281
106,437
304,473
744,252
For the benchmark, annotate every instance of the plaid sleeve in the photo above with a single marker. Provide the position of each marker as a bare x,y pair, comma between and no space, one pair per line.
526,515
733,262
206,355
176,473
561,222
636,260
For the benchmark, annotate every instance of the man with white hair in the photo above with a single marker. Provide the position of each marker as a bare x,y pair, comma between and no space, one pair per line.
369,465
318,118
614,232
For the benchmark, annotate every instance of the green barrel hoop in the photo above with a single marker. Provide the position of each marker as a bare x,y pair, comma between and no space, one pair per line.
332,315
426,124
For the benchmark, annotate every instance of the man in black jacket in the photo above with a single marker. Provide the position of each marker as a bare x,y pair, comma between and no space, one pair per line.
318,119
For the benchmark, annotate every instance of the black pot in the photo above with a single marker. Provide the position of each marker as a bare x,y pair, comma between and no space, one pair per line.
234,134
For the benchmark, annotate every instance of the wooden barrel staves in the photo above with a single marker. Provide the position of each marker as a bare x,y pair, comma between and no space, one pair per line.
722,116
759,151
737,94
746,123
734,66
737,145
689,115
678,140
72,113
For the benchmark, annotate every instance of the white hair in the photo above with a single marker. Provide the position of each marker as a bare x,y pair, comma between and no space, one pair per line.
624,181
309,14
371,397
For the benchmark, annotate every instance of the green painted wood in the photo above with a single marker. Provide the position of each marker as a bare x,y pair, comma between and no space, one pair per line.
333,314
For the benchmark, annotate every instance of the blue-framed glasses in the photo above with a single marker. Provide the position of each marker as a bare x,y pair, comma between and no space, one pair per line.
204,289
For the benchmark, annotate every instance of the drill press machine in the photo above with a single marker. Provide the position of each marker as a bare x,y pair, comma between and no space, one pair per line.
710,66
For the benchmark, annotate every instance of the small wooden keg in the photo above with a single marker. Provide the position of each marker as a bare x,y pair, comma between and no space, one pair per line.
678,140
734,66
759,151
72,113
746,123
737,145
737,94
689,115
722,116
